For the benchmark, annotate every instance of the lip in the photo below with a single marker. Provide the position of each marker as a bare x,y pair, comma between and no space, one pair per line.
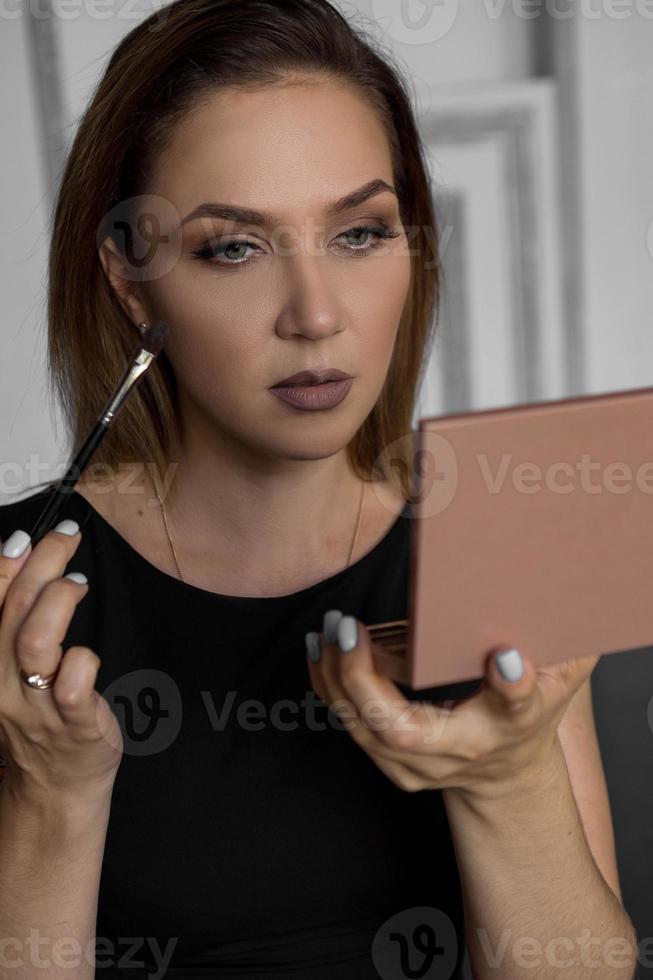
310,398
313,377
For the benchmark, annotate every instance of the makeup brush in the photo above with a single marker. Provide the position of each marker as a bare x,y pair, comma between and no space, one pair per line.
151,344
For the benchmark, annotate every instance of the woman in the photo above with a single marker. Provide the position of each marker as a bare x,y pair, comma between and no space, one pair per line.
251,173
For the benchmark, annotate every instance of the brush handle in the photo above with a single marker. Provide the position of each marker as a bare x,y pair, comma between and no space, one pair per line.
69,480
134,371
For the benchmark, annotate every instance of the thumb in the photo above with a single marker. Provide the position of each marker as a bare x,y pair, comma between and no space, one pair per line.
510,677
585,666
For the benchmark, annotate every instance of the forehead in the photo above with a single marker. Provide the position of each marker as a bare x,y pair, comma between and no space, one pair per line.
280,149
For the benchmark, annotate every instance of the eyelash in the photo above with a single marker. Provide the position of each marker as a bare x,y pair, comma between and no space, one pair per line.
382,233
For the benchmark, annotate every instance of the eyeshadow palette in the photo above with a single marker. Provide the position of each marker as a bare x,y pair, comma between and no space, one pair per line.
532,527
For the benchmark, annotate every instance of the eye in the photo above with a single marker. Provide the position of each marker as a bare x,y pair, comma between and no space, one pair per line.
380,233
217,253
211,250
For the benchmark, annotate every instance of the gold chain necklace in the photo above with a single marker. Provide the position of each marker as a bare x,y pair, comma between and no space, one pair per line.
174,553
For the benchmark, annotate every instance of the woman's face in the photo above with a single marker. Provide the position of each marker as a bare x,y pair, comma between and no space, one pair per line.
249,304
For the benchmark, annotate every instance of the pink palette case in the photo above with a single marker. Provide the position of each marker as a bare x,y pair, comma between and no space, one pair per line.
533,528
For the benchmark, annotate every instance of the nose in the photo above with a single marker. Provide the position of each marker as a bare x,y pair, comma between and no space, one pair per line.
311,308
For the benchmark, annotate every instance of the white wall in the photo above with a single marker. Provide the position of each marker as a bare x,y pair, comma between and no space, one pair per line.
615,76
475,47
463,42
486,41
25,426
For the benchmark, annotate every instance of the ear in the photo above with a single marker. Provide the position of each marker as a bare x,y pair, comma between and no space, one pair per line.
120,275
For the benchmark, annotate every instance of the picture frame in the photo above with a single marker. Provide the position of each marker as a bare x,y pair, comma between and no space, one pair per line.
493,155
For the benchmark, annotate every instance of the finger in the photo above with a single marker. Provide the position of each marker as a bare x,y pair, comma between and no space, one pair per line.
73,692
511,682
46,562
560,681
578,669
325,678
13,555
38,642
584,667
399,724
322,678
404,752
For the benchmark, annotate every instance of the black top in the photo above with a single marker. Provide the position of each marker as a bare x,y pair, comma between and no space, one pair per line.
249,835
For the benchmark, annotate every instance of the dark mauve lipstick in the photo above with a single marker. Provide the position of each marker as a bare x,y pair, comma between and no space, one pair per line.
312,377
314,389
310,398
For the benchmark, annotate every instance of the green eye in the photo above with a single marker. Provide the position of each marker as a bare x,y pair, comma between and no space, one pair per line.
216,252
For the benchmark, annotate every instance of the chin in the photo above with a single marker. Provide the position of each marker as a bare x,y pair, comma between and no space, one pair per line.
310,447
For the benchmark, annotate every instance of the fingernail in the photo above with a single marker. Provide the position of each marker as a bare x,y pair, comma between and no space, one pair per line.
16,544
347,632
67,527
329,625
78,577
510,664
313,647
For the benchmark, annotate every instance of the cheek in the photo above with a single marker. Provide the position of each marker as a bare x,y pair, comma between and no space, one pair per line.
379,301
211,344
211,340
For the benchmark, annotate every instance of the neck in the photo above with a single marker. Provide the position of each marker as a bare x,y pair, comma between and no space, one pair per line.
350,552
302,515
224,565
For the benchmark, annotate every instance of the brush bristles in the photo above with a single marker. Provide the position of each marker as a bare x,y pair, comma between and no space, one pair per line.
153,338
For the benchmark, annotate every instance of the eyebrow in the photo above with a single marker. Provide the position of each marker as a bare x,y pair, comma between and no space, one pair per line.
231,212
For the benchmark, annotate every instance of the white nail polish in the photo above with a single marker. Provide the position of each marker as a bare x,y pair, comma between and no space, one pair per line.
347,631
510,664
313,648
67,527
78,577
16,544
329,625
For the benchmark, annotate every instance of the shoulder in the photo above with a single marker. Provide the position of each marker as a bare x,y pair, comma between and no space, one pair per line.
384,505
388,497
119,501
19,511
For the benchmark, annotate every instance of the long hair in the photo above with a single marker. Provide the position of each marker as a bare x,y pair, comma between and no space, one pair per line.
161,70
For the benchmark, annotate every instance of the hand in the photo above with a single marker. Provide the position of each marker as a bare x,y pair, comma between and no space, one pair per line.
506,729
64,741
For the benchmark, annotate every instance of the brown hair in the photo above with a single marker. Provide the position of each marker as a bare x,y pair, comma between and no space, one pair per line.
161,70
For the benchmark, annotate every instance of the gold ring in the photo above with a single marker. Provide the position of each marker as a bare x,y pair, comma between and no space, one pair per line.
37,681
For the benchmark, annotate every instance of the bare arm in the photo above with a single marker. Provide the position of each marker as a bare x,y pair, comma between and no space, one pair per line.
50,862
535,901
63,746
